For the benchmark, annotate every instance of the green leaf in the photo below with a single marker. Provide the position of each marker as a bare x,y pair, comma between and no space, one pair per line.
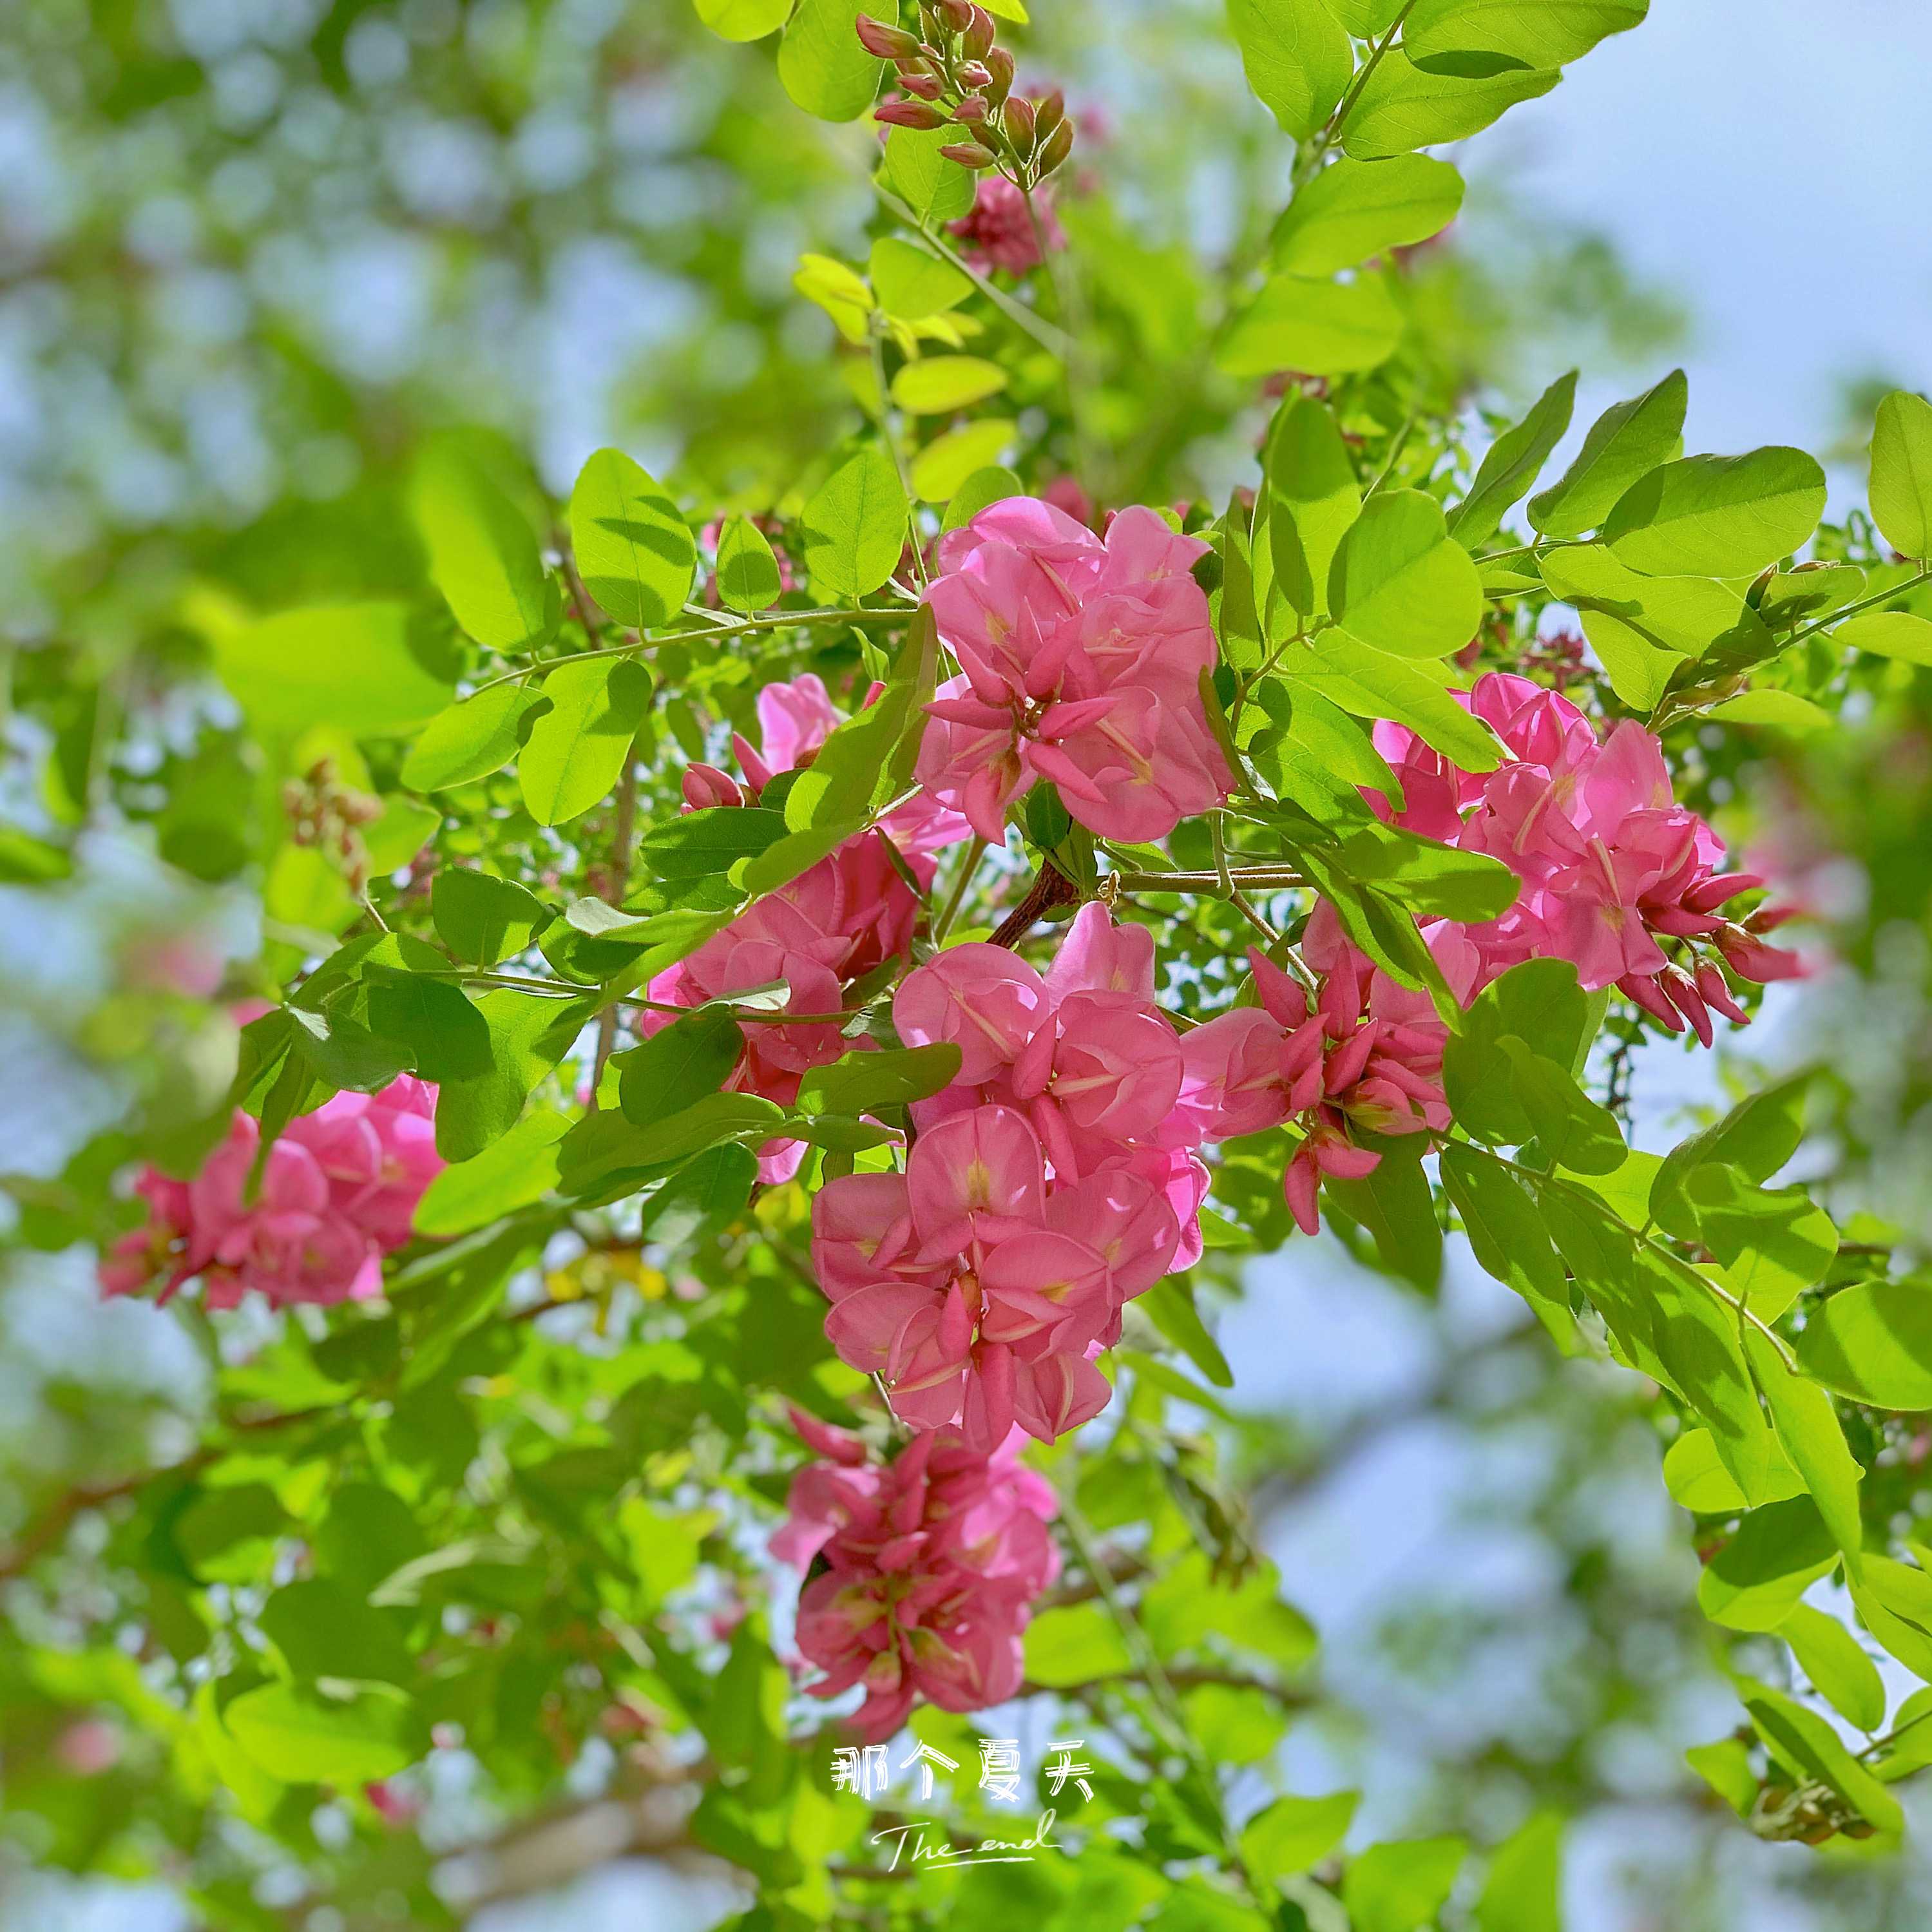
1507,1236
743,19
527,1036
1393,1203
862,1082
821,64
357,667
482,918
1836,1663
1889,633
1537,33
303,1738
1756,1579
604,1145
472,738
634,551
1294,1835
705,844
345,1053
1400,1885
748,573
1725,1767
1074,1644
1806,1744
576,750
1316,328
868,760
443,1029
1433,880
934,188
1813,1441
514,1172
323,1630
1368,683
936,385
1872,1342
950,463
25,860
1697,1480
1901,473
911,282
1402,107
1400,582
984,488
1312,500
1169,1306
483,555
854,526
1353,210
1513,464
1297,59
1757,1137
1628,441
678,1066
1717,516
703,1196
1523,1891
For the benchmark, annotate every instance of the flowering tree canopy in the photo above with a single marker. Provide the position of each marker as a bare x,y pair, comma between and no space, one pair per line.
778,1005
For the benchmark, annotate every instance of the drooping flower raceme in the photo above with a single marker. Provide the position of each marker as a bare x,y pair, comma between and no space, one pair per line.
1080,662
338,1191
835,922
1047,1188
927,1567
1617,876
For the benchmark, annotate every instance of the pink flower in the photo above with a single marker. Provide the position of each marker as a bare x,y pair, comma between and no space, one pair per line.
926,1571
998,232
336,1192
1080,662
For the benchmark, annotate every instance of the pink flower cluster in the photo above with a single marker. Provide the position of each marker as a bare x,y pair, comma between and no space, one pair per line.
1050,1184
1362,1052
338,1191
1080,664
926,1569
830,926
1617,876
997,232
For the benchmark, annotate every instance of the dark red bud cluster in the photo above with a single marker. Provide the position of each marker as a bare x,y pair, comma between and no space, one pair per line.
952,71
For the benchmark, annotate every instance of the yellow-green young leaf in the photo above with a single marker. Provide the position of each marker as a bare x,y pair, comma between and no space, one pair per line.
1774,710
1873,1342
934,188
1889,633
576,749
1352,210
854,526
1628,440
1366,19
1368,683
1400,582
483,554
743,19
1811,1436
1812,1752
913,283
1901,473
303,1738
1399,1886
1312,499
473,738
980,490
945,465
1008,9
1402,107
821,64
1725,1766
1295,1833
635,552
1523,1892
353,666
519,1169
1695,1475
1297,58
1836,1664
1538,33
938,385
1319,328
1717,516
841,292
748,573
1073,1644
1754,1582
1512,463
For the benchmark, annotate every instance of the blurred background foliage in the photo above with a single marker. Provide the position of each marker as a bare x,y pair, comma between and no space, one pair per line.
251,251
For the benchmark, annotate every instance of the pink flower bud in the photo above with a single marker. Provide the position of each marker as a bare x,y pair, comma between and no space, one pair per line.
999,66
969,154
974,75
887,42
1049,111
926,86
956,14
909,114
1019,123
972,110
979,35
1056,149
